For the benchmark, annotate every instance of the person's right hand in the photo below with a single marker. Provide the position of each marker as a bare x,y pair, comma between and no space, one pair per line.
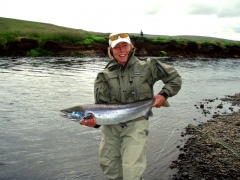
90,121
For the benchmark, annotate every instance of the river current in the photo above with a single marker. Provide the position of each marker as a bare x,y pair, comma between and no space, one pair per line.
37,143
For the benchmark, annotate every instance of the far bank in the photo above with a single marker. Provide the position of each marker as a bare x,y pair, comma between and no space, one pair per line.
19,38
144,47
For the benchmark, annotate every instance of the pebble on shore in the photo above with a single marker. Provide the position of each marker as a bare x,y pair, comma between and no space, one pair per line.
213,150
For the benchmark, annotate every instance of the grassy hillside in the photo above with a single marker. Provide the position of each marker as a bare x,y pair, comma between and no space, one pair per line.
13,30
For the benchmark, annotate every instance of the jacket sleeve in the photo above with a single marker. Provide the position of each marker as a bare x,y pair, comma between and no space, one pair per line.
101,90
169,76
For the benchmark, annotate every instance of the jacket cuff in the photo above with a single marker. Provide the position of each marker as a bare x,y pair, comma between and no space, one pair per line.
97,126
164,94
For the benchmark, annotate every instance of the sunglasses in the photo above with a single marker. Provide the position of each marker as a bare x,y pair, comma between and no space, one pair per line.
115,37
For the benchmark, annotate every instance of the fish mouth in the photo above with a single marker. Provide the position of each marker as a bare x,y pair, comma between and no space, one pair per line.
66,114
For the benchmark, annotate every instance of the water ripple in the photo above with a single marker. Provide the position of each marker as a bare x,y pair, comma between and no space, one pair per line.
36,143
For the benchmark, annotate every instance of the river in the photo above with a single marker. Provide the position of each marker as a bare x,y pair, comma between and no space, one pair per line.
36,143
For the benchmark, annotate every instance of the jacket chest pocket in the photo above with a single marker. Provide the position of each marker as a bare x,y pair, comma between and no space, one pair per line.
114,88
142,88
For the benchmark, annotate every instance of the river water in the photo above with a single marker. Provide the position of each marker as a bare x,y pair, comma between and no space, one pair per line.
36,143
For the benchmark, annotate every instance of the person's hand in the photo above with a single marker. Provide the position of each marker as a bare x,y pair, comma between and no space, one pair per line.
159,100
90,121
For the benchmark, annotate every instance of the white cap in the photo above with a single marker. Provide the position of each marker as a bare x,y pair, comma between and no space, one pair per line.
114,43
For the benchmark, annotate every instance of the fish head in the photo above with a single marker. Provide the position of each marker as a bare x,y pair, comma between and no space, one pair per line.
74,113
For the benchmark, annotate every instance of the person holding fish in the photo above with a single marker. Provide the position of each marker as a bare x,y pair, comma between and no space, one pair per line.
125,80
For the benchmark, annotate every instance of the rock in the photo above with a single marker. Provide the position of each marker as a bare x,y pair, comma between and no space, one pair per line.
220,106
185,174
238,124
202,106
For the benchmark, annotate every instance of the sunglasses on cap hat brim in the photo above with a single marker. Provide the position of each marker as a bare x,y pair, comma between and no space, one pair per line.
121,35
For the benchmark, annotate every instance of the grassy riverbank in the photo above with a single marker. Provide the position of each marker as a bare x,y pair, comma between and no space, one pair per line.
13,30
26,38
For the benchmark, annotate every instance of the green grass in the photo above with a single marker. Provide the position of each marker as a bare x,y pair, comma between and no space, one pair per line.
39,52
14,30
224,43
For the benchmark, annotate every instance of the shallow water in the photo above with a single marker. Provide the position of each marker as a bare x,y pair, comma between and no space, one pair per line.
36,143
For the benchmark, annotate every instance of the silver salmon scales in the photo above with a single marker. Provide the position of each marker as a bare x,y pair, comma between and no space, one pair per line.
106,114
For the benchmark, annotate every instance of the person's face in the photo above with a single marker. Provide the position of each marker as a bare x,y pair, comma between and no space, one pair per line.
121,51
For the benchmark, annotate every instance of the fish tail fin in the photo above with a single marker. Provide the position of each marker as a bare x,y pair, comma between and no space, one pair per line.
166,104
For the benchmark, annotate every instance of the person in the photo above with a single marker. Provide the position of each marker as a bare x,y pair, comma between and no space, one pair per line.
141,33
126,79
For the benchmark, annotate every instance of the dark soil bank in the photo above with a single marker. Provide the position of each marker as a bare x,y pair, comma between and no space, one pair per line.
144,48
213,150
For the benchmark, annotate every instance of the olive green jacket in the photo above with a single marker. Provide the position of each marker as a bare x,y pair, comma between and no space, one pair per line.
134,82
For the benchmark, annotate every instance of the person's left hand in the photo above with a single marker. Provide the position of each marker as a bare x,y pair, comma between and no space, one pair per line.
159,100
